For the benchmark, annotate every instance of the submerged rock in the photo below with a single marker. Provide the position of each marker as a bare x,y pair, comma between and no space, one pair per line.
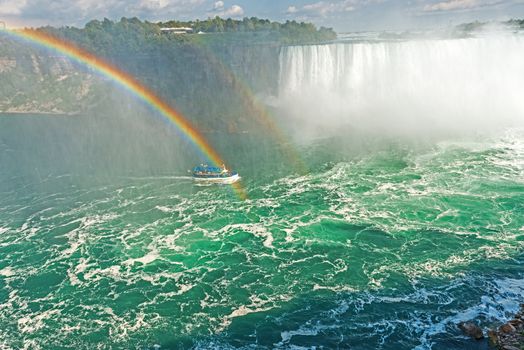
471,329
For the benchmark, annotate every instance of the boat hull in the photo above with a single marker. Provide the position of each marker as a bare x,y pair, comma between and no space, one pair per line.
217,180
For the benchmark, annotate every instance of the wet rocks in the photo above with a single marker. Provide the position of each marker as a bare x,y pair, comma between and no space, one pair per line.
471,329
492,335
509,347
507,328
510,336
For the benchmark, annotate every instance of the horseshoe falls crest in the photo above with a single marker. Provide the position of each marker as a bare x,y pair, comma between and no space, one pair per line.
407,219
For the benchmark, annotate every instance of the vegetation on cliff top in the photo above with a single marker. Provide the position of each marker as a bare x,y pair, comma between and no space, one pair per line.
133,34
289,32
512,24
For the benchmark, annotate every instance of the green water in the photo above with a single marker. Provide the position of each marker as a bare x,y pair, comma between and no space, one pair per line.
385,246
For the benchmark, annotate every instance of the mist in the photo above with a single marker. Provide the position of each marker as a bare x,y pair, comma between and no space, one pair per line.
118,138
421,88
417,88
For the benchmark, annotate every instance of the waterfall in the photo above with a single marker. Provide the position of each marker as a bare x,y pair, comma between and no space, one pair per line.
453,83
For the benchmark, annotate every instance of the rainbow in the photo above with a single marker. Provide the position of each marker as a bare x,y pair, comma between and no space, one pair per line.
130,84
257,109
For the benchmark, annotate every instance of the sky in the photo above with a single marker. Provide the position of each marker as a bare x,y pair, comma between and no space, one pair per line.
342,15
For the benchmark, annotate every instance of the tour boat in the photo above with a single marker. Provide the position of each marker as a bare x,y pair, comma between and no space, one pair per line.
209,174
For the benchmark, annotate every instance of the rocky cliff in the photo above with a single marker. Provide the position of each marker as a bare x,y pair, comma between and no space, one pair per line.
36,81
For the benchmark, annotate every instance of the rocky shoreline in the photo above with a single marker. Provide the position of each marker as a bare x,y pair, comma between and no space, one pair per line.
509,336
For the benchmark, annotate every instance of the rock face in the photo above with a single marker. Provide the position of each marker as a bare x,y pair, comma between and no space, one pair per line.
510,336
471,329
36,81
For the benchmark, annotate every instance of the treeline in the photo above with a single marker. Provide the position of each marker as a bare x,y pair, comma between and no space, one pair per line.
288,31
512,24
518,23
106,36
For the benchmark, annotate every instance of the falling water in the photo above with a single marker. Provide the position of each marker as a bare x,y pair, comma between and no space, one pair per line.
453,84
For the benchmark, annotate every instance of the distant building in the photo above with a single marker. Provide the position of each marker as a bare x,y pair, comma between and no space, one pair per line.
177,30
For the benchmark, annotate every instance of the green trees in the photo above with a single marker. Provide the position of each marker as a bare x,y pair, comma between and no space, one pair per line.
516,23
131,34
469,28
290,32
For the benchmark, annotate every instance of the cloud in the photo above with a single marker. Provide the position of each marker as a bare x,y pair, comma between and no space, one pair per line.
78,12
454,5
292,9
323,8
154,4
233,11
218,6
12,7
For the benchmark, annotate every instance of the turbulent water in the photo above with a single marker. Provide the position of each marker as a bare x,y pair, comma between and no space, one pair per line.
379,243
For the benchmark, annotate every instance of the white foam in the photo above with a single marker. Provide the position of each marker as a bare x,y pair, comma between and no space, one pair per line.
98,219
258,230
165,209
306,330
336,288
447,213
35,322
66,329
112,272
241,311
146,259
7,272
